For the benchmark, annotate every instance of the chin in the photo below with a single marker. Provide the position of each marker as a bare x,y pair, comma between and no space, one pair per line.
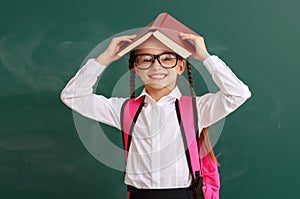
155,86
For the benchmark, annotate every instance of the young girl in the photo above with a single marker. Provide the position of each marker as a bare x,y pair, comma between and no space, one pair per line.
156,165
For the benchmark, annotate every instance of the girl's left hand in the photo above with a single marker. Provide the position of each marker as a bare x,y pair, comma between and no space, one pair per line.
200,48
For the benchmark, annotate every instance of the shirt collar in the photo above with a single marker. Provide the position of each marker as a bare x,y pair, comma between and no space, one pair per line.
174,94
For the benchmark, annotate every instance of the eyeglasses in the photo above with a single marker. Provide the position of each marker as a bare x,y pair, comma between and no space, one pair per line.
166,60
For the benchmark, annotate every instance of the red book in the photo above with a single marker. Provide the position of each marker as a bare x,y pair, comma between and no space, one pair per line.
166,29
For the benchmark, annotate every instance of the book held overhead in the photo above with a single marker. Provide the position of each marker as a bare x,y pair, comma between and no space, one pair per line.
166,29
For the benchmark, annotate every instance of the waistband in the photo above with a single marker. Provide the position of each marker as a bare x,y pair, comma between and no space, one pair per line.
132,188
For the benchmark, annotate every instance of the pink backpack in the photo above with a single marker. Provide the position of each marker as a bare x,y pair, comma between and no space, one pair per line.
206,180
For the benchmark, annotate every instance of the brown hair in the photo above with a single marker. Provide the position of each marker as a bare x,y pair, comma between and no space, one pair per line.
204,137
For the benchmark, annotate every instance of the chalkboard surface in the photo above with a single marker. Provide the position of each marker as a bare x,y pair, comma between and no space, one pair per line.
44,43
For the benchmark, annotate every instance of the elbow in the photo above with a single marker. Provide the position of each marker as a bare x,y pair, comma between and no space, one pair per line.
241,95
236,100
64,97
245,93
66,100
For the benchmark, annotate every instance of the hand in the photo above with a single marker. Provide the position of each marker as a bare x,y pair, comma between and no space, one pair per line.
200,48
110,53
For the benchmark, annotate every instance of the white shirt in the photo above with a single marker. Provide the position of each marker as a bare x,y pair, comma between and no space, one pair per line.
157,155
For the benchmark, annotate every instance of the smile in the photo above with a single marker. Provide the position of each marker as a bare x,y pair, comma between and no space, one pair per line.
157,76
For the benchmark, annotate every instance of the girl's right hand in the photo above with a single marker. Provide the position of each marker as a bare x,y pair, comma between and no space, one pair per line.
110,53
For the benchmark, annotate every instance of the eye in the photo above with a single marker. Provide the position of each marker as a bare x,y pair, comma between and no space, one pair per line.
168,57
146,59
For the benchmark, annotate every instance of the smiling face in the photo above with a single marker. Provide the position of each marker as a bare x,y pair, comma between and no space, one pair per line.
158,81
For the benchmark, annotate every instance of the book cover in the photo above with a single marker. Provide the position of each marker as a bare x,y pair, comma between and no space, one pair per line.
166,29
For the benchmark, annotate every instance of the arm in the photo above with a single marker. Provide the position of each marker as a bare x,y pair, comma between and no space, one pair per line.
232,94
78,93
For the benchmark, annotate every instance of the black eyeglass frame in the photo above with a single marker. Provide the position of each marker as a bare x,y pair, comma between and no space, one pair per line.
157,57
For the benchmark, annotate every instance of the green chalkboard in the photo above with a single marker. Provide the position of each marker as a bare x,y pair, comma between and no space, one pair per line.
44,43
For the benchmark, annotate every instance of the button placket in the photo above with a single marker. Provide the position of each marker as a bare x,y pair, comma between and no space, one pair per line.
155,150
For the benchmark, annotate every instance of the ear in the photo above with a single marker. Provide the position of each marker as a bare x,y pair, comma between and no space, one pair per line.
181,66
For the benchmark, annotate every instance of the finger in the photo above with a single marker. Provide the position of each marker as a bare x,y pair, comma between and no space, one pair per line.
188,36
129,38
133,36
126,40
191,36
123,38
118,40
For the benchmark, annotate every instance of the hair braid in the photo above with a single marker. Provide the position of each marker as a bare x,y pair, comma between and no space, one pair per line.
204,137
132,74
189,70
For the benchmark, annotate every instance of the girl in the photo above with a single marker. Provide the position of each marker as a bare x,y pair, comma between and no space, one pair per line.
156,166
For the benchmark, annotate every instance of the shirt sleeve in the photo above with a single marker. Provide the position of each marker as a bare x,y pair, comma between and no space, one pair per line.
233,93
78,95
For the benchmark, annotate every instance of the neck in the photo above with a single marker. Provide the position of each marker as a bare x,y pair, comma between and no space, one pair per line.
157,94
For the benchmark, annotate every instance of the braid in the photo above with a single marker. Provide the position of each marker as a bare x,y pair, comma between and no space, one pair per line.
204,138
132,74
189,70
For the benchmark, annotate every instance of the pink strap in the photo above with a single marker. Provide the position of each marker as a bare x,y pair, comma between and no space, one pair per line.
209,168
187,117
129,113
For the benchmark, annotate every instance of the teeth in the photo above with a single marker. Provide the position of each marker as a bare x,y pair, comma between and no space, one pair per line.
157,76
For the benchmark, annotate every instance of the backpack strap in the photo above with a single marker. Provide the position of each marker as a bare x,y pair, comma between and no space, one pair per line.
130,111
188,121
186,118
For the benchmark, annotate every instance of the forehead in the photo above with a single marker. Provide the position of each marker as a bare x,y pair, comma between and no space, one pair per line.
152,46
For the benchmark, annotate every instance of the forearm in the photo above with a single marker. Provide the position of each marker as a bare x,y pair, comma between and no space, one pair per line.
104,59
82,83
78,93
225,79
232,94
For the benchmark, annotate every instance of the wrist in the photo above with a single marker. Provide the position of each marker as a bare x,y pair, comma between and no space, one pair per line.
207,55
104,59
204,56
